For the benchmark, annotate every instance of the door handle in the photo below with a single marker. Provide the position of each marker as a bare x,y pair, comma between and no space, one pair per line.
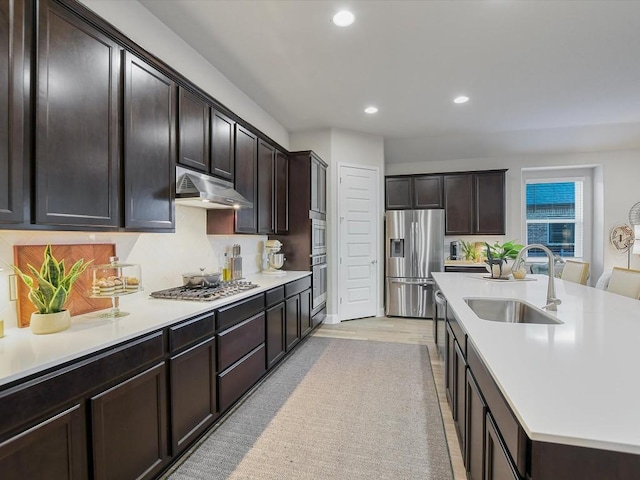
373,262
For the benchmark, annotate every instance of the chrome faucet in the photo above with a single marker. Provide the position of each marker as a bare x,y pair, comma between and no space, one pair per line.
552,301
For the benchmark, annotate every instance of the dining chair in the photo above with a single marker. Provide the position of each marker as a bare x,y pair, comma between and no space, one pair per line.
625,282
576,272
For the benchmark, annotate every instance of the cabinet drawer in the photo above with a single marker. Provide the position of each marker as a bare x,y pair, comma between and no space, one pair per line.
235,342
297,286
229,316
515,439
275,295
35,398
189,332
236,380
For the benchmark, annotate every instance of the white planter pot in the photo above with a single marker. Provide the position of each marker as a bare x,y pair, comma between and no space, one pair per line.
42,323
506,269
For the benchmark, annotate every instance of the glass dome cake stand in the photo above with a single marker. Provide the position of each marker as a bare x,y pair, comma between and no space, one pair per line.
114,280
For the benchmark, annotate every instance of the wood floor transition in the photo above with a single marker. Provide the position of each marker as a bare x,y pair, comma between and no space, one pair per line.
404,330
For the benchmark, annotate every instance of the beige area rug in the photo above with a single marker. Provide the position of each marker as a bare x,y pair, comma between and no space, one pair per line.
335,409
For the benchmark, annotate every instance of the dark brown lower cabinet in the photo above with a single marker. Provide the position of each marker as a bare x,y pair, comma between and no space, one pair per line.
449,365
476,412
276,346
460,370
192,381
292,315
129,425
240,377
497,464
306,324
55,448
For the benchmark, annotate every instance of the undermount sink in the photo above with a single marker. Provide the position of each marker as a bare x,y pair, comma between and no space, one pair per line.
509,311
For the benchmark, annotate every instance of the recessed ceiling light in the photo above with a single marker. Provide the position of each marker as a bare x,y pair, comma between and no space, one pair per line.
461,99
371,110
343,18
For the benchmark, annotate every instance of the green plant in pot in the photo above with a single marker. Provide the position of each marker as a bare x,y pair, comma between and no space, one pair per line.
49,289
498,256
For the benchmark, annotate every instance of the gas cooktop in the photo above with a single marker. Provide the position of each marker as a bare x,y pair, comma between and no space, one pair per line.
205,294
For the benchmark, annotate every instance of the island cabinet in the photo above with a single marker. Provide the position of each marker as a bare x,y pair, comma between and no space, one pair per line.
493,443
14,99
413,192
474,203
77,154
241,352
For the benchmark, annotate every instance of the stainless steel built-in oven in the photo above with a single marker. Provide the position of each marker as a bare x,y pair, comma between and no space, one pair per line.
318,237
319,280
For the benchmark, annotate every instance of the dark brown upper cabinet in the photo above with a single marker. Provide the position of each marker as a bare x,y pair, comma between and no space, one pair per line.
475,203
222,145
194,113
490,203
246,179
409,192
14,57
149,147
265,204
318,186
77,140
281,194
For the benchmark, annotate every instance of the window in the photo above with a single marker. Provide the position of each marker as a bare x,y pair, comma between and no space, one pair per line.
556,204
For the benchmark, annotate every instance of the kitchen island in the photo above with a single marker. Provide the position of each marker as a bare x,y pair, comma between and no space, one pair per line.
125,397
570,387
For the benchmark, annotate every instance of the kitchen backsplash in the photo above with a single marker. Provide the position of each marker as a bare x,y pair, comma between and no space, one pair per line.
164,257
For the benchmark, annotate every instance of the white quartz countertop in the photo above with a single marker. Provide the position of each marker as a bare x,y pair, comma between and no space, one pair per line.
23,353
574,383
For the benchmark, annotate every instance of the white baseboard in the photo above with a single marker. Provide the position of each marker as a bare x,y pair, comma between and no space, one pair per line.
331,319
381,312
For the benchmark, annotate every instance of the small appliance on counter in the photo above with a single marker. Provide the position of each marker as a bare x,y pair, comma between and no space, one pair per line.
455,250
114,280
275,260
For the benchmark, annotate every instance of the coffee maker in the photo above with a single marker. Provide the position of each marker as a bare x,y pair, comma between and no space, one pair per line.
454,250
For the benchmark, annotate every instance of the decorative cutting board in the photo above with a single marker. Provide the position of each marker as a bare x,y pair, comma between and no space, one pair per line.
78,301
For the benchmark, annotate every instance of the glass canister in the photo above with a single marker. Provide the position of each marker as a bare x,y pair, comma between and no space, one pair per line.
113,280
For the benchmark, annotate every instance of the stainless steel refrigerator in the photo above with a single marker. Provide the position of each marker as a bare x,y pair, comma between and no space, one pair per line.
414,249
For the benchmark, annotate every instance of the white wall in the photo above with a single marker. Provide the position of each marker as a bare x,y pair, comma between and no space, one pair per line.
145,29
163,257
615,182
336,146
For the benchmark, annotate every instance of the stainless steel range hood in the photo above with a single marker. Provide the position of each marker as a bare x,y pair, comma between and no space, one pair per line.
194,189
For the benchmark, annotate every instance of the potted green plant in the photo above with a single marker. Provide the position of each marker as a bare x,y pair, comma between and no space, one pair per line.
49,289
469,250
498,256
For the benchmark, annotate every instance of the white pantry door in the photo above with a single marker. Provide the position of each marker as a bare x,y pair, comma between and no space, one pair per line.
358,242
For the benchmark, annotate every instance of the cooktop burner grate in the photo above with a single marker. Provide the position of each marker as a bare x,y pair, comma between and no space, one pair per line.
205,294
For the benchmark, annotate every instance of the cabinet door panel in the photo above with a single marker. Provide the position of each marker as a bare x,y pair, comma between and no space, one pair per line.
55,448
458,204
281,193
275,334
305,313
293,321
490,203
13,47
315,201
459,393
240,339
322,189
222,145
246,179
194,131
236,380
265,187
149,146
427,191
497,464
398,193
476,412
193,393
130,427
77,145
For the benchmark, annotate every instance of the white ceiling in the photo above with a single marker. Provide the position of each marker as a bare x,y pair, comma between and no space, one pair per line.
543,76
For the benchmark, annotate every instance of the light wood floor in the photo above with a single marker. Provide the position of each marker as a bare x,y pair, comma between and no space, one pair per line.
404,330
